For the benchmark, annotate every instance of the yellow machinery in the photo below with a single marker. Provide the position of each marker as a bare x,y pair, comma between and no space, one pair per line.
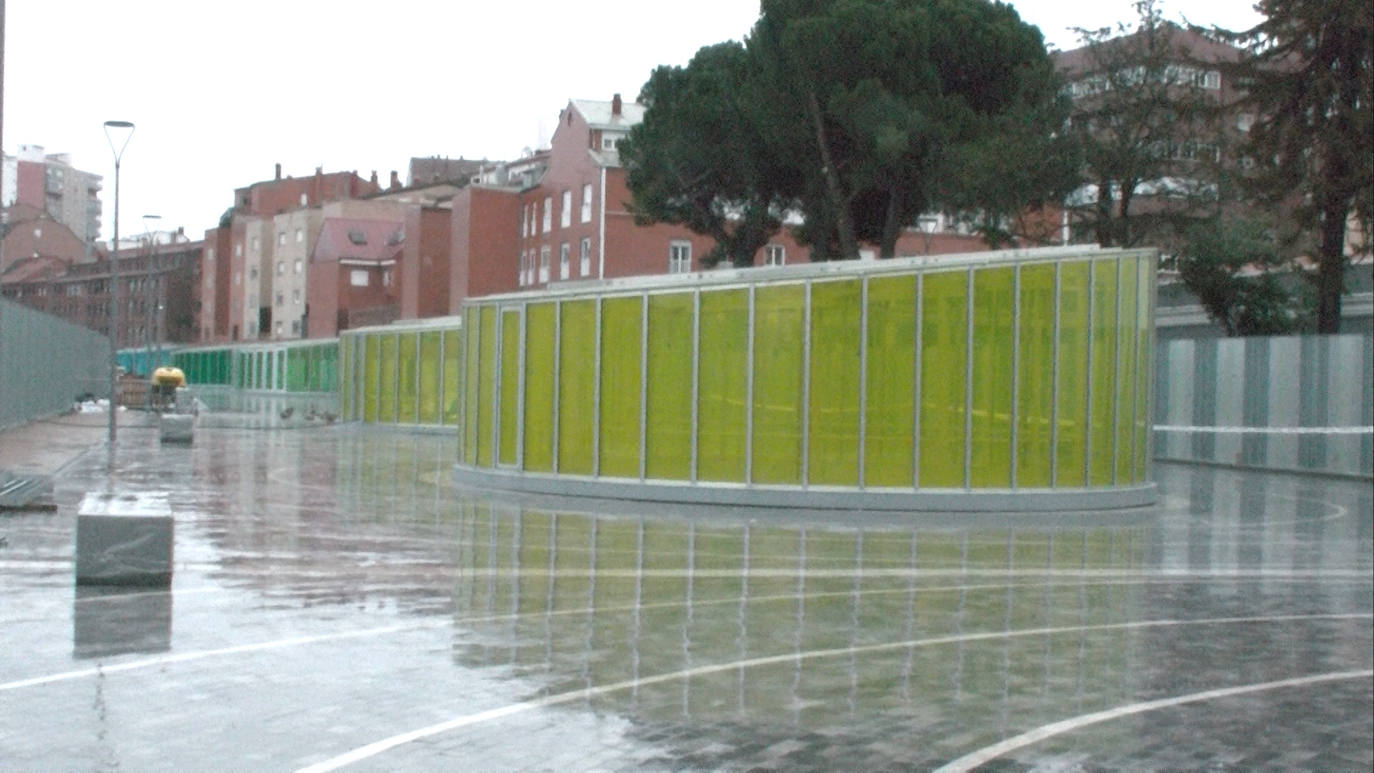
166,381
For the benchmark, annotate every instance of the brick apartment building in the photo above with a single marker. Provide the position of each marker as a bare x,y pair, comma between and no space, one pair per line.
49,183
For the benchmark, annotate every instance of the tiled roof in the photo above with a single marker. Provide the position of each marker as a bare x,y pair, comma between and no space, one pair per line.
598,114
358,239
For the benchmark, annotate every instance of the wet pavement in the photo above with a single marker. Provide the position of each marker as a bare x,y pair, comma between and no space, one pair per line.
337,603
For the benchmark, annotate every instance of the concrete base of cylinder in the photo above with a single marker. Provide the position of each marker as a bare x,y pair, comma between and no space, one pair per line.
124,539
176,427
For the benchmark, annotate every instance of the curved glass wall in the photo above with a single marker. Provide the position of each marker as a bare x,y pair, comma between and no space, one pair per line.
1000,374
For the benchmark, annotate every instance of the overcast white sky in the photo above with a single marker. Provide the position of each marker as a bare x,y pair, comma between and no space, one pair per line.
220,92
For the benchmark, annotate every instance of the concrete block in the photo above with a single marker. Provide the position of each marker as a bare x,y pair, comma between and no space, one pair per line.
176,427
124,539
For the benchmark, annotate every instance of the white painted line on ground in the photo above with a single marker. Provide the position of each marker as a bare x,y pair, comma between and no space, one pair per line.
377,747
1267,430
989,753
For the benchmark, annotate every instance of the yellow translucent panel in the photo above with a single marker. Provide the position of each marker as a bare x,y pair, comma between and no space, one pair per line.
539,367
576,386
722,385
889,407
486,384
407,384
993,330
944,344
1125,374
1035,376
668,418
429,377
779,312
1145,291
450,389
471,351
509,423
621,332
833,410
1072,410
386,392
1103,378
371,372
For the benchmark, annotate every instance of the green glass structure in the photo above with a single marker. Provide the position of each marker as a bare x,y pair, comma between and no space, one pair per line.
1005,380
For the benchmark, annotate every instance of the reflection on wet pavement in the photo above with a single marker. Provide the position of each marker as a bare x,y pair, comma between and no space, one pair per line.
336,602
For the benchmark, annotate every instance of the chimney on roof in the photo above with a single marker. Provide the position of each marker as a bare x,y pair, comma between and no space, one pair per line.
615,105
395,180
374,178
279,172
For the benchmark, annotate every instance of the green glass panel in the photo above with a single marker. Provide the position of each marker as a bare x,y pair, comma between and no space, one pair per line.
486,384
406,385
539,387
1101,427
993,330
296,364
889,405
471,320
429,377
346,385
280,382
1071,437
576,386
621,331
722,385
330,369
1035,376
833,404
1125,375
371,373
453,358
509,426
386,390
668,415
779,316
944,351
1145,290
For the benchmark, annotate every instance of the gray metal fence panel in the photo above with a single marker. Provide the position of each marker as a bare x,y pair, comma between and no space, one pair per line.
46,362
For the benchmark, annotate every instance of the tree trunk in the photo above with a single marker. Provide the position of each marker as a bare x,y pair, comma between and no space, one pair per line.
849,243
892,224
1331,269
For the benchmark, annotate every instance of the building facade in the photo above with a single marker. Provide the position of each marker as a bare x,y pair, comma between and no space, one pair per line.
48,182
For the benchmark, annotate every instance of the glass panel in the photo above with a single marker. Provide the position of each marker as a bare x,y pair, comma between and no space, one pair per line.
724,351
296,373
833,410
1125,374
779,314
944,344
1144,360
280,382
1034,377
405,377
453,358
386,392
510,385
371,372
1103,374
329,368
472,320
346,385
576,386
539,387
1072,435
620,358
486,383
429,377
889,406
668,416
993,321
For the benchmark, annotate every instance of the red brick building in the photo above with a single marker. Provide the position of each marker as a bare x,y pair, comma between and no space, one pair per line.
355,275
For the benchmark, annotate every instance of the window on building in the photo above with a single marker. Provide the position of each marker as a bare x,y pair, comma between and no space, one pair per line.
281,267
609,141
296,296
563,267
544,264
256,244
295,327
565,214
210,255
238,278
300,235
278,328
587,202
303,199
774,255
386,277
679,257
281,238
520,279
548,214
281,299
298,265
238,249
358,277
252,273
584,254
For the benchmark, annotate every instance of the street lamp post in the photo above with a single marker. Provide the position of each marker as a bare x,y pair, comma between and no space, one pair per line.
123,129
